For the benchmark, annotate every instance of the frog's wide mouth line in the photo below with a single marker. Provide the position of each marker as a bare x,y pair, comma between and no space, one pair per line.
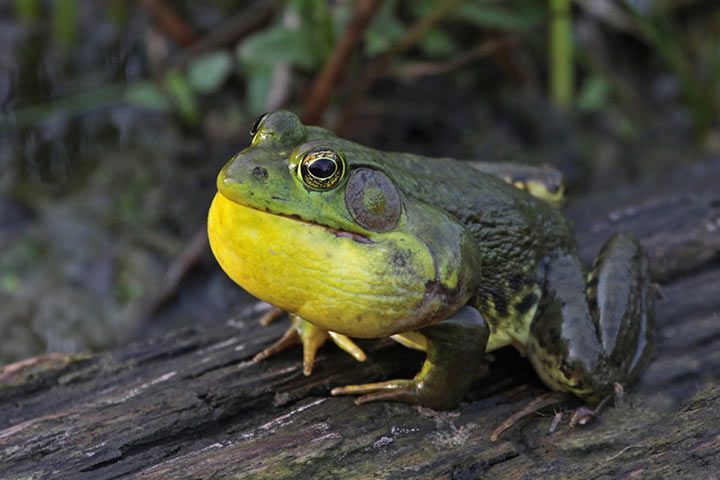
357,237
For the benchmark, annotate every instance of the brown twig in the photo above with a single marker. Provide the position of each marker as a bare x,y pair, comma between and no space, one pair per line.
170,22
49,360
424,69
545,400
176,272
379,65
337,63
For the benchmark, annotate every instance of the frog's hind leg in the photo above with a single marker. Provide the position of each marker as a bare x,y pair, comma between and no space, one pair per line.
589,338
455,348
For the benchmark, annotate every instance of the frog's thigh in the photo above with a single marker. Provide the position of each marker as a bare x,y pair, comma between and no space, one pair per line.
542,182
620,290
455,348
588,337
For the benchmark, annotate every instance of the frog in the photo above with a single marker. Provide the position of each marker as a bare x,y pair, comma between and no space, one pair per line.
456,259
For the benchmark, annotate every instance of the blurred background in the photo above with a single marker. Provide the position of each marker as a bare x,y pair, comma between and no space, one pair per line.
116,115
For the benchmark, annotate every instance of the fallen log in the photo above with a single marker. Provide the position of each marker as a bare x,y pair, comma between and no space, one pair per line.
192,404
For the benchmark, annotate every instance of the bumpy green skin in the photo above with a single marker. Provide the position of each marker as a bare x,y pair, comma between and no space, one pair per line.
521,281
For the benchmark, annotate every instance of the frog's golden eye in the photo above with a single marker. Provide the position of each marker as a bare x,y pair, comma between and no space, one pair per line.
256,124
321,169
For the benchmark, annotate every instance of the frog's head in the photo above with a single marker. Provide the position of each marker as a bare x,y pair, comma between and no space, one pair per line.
307,173
318,226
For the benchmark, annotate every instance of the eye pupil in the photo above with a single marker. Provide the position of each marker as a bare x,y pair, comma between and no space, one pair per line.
322,168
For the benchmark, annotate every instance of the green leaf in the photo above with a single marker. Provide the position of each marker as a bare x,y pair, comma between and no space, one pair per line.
183,96
437,43
258,85
384,30
207,73
28,10
10,283
147,95
279,45
594,94
499,17
317,23
65,22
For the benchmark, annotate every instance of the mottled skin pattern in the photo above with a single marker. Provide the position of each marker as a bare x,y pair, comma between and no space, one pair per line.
495,265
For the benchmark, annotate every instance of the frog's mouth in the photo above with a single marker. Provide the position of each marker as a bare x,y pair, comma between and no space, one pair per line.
356,237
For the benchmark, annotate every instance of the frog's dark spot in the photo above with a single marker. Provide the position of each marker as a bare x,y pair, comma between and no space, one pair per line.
279,199
260,173
400,259
516,282
553,187
500,301
526,303
434,288
436,295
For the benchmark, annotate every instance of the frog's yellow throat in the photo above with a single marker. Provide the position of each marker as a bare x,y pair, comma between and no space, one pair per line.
335,282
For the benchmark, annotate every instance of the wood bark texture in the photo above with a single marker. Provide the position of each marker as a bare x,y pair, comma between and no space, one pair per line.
192,404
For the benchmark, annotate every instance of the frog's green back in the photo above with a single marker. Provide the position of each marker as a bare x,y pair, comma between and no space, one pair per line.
513,229
481,201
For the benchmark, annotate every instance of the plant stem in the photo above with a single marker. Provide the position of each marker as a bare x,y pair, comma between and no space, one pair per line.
338,61
561,53
65,22
27,10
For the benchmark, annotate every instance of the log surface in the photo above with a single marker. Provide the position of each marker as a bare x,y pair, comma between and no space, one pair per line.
191,404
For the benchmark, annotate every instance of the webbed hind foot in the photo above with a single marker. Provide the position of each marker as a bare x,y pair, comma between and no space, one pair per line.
454,347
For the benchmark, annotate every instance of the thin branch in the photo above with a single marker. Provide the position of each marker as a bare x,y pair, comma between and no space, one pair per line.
544,400
170,22
379,65
425,69
233,29
178,269
336,65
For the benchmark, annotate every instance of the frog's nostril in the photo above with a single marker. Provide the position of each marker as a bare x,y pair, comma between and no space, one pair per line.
260,173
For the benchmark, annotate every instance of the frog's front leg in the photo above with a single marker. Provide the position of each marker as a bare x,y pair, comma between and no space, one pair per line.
311,338
588,338
455,348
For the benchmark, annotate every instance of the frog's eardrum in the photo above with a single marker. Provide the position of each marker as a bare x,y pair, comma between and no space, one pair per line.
373,200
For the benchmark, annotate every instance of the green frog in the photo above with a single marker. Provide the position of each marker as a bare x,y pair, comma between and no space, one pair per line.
452,258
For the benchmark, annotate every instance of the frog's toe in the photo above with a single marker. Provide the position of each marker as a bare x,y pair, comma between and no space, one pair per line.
289,338
270,316
311,338
582,416
585,415
391,390
348,345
